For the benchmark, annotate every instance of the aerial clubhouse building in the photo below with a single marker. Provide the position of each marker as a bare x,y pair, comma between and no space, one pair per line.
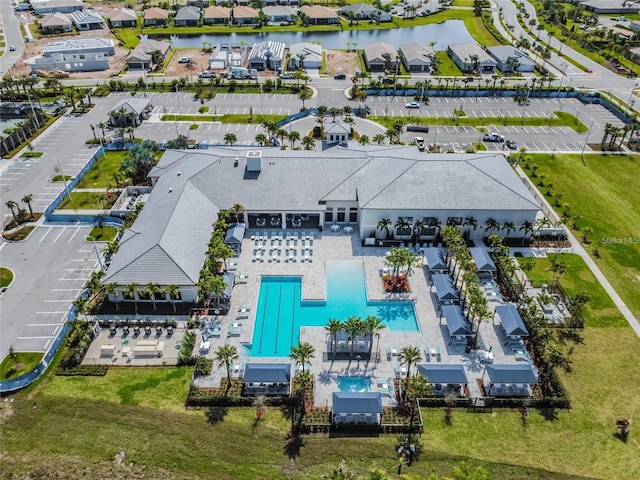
283,190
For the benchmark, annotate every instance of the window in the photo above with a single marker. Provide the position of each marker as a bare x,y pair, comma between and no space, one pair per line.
178,296
403,225
328,216
341,214
353,215
455,221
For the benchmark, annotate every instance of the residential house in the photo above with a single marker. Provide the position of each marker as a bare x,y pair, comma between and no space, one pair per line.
155,16
244,15
72,62
305,55
224,55
635,25
188,16
356,408
81,46
267,379
55,23
318,15
380,56
129,112
216,15
267,55
280,14
43,7
417,57
610,6
87,20
123,17
147,54
471,57
364,11
511,59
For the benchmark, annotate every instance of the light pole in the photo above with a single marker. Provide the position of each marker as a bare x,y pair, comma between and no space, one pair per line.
524,108
104,154
64,180
435,132
34,111
262,100
175,121
93,240
584,145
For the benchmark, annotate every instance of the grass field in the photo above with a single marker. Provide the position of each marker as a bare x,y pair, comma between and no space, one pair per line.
6,277
603,193
31,154
446,66
228,118
103,234
22,363
87,201
102,172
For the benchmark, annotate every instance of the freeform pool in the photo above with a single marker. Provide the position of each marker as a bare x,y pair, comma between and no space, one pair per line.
354,384
281,313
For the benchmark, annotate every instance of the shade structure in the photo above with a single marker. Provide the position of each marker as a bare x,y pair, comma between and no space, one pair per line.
445,289
511,321
356,402
435,259
235,233
456,322
267,373
482,260
512,374
443,373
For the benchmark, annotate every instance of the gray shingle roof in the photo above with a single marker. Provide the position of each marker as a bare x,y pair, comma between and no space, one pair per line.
357,402
518,374
417,52
267,372
443,373
135,105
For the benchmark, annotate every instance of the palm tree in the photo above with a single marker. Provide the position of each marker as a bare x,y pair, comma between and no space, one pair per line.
130,291
112,289
308,143
401,225
384,224
373,326
378,138
262,139
11,204
491,225
305,94
541,223
409,355
303,352
237,212
174,294
418,226
418,386
150,290
230,138
333,327
27,199
294,136
218,286
353,327
527,226
225,356
509,227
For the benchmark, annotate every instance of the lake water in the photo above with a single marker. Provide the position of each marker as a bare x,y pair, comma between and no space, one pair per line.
446,33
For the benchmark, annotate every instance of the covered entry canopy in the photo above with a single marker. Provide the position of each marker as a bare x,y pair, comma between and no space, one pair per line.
443,373
356,402
445,289
482,260
511,321
435,260
456,322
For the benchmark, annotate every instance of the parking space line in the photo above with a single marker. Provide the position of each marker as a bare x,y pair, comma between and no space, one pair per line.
45,234
50,312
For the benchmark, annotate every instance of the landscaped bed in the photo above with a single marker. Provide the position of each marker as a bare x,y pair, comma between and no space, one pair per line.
19,234
18,363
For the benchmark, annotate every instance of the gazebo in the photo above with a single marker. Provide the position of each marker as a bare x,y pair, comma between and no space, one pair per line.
509,380
512,323
456,323
483,261
356,408
435,260
234,236
267,378
445,378
445,289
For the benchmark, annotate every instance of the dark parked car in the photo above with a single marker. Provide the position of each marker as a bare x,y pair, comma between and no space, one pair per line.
511,145
340,76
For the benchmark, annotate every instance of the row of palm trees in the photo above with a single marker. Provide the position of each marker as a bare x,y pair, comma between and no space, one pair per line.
11,205
353,327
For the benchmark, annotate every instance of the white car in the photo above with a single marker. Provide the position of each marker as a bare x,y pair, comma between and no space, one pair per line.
206,74
12,48
413,105
184,60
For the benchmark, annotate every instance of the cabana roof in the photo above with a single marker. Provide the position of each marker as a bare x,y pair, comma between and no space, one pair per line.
267,373
456,322
434,259
443,373
356,402
513,374
444,287
482,260
235,233
511,321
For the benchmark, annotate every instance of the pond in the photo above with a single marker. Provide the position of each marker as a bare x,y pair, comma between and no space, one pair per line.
446,33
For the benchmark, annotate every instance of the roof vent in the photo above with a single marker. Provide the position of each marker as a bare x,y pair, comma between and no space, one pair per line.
179,173
254,161
170,190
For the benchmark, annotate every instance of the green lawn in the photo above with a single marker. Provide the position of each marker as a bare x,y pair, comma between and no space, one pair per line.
603,193
103,171
446,66
31,154
22,363
60,178
236,118
103,234
600,311
87,201
6,277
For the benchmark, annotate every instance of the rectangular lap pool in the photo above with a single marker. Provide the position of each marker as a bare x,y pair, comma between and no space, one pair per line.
281,313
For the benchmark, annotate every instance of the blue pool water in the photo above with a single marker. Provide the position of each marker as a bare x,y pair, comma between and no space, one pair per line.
354,384
281,313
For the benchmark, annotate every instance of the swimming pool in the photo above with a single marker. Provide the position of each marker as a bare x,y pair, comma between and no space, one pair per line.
354,384
281,313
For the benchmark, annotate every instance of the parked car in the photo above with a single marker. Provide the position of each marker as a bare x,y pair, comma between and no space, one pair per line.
340,76
413,105
417,128
12,48
493,137
184,60
419,141
286,75
511,145
206,74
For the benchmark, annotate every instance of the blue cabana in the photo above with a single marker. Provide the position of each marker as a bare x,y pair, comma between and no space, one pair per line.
445,289
357,407
456,322
510,380
435,259
511,321
443,373
482,260
267,378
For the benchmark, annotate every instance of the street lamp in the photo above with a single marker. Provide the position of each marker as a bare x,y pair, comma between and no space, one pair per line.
104,154
584,145
93,240
524,108
64,180
175,121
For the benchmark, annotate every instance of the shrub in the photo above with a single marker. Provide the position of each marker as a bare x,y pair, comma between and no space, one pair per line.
84,370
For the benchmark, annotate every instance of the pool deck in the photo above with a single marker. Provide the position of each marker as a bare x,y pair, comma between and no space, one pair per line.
337,246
